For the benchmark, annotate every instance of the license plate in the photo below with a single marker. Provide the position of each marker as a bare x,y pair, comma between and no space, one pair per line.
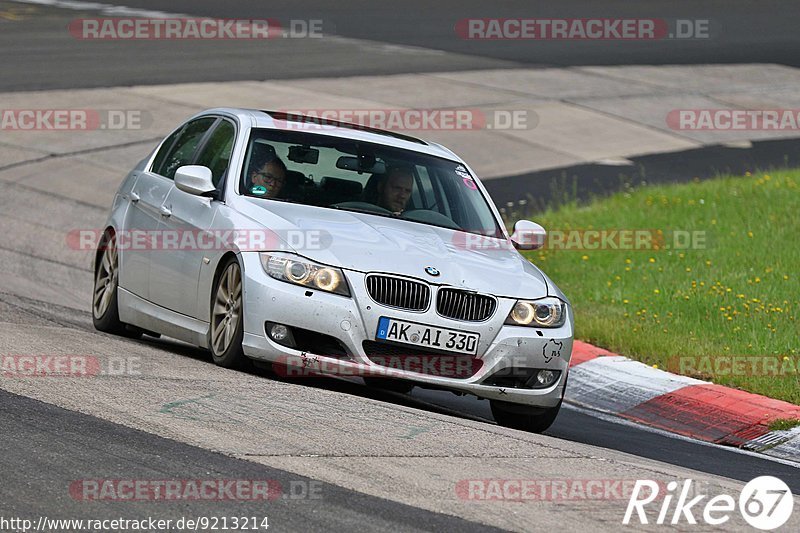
450,340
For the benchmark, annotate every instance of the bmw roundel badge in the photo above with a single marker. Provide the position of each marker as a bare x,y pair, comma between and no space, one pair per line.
431,271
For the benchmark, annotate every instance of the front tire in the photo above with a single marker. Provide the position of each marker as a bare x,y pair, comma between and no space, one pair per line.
524,417
105,309
227,319
399,386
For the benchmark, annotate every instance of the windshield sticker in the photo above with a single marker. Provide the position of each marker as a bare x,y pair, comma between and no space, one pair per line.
461,171
470,183
258,189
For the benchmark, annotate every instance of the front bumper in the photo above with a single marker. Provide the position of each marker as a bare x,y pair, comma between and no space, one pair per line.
353,320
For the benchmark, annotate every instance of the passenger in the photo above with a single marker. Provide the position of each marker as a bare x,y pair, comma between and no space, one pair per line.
267,177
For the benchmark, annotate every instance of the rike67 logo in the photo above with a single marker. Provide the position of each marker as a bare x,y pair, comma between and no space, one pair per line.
765,503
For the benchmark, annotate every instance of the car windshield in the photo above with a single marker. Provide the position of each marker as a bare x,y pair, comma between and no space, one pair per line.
336,173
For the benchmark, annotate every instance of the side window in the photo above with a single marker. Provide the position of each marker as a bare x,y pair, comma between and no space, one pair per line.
183,148
158,162
216,154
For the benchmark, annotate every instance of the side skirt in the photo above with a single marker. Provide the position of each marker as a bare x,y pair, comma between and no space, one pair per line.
139,312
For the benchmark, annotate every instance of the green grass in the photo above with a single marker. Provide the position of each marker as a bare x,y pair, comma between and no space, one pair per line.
783,424
738,295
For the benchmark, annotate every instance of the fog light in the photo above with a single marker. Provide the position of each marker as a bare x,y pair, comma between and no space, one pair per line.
281,334
546,377
278,332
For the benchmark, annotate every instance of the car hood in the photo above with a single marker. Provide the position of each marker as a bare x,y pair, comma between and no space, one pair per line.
369,243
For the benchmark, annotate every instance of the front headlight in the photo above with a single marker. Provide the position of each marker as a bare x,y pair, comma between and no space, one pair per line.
304,273
544,313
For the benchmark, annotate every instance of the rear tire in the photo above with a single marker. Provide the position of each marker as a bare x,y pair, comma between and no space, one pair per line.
105,309
226,331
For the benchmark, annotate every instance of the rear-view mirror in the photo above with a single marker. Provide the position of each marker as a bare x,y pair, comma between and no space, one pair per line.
303,154
362,163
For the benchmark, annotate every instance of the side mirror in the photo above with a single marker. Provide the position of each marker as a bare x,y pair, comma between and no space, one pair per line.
194,179
528,235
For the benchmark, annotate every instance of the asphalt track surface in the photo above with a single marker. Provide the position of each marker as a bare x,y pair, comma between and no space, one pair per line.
45,292
376,37
68,442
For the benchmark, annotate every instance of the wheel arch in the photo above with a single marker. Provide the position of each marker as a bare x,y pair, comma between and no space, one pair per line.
98,253
208,283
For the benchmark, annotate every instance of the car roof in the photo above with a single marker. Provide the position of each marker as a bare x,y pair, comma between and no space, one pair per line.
319,126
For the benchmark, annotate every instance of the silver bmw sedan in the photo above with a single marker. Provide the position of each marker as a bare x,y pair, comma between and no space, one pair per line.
327,248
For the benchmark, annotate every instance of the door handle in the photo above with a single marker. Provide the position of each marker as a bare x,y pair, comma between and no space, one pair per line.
134,197
165,211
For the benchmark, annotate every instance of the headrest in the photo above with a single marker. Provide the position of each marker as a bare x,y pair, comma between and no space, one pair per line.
260,154
340,186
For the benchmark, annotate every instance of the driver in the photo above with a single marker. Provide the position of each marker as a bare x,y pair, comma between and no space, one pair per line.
395,188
